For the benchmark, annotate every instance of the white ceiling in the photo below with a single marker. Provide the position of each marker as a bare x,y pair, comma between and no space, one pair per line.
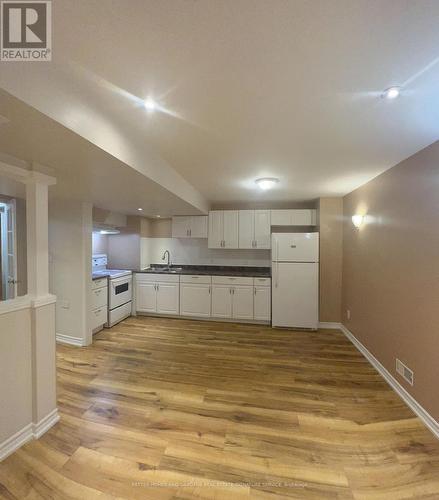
83,171
284,88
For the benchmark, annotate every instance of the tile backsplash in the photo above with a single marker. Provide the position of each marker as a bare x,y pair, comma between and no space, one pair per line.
195,251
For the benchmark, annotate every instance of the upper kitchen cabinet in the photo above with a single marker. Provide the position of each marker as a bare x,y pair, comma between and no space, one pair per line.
223,229
189,226
254,229
294,217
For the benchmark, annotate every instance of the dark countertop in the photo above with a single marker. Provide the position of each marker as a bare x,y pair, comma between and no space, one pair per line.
98,276
245,271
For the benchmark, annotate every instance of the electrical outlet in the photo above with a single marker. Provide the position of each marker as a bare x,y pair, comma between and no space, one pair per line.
405,372
348,313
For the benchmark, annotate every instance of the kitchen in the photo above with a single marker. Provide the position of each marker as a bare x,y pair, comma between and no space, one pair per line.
216,250
256,266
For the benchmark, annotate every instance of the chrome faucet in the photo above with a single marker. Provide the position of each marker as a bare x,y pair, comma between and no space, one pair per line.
169,257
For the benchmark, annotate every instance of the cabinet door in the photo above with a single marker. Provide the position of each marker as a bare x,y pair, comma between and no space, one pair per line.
221,301
181,226
194,300
230,229
216,229
262,229
168,298
146,300
302,217
242,302
262,296
281,217
198,227
246,223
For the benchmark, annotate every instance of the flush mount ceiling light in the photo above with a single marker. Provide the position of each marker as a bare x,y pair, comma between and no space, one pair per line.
391,93
357,220
150,104
266,182
158,216
140,209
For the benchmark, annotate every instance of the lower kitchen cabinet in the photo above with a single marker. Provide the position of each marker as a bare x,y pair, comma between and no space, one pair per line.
262,303
168,298
146,297
195,300
221,301
217,297
157,294
242,302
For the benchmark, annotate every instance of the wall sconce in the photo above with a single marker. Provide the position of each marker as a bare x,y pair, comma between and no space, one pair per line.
357,220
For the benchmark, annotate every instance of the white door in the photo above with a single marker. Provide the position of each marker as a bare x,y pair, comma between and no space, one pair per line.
168,298
216,229
262,304
146,297
181,226
246,222
295,294
195,300
221,301
262,229
242,302
295,247
231,239
198,227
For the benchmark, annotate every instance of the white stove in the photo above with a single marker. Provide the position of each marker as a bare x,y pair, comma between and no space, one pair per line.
120,289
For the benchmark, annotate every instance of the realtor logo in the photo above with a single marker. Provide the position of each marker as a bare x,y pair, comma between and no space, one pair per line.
26,30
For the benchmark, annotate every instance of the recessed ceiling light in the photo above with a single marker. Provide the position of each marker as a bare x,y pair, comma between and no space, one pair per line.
150,104
391,93
140,209
158,216
267,182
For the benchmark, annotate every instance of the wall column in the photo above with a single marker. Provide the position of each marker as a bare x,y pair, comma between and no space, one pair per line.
44,410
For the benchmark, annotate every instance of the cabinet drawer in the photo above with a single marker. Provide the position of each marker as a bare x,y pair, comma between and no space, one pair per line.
99,297
232,280
262,281
99,283
98,317
197,279
157,278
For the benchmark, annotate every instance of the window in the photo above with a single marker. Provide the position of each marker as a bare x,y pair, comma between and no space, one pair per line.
13,245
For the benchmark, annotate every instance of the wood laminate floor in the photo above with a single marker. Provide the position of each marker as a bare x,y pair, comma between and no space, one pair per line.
179,409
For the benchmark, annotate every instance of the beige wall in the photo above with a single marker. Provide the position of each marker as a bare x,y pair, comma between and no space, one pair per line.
390,270
70,247
331,253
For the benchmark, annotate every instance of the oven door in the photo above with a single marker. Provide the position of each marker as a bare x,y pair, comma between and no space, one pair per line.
121,291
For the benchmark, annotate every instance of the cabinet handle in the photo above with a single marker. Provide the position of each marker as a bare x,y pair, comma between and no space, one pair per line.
255,291
209,290
230,291
256,244
233,291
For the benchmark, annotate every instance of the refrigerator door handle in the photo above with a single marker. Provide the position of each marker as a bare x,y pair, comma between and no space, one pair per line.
277,262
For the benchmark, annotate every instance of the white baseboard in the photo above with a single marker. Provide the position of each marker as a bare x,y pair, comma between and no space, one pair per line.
30,431
330,325
428,420
45,423
67,339
16,441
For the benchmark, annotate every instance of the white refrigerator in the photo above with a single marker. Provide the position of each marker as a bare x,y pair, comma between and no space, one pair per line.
295,280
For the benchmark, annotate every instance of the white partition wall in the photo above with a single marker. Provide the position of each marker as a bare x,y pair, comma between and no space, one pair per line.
27,329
